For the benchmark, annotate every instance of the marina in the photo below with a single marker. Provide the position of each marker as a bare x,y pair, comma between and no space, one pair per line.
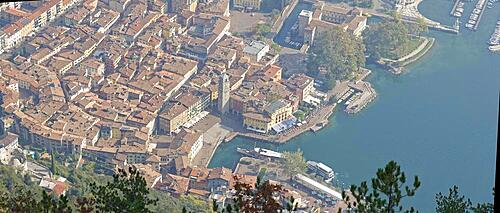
490,3
458,9
494,41
416,100
476,15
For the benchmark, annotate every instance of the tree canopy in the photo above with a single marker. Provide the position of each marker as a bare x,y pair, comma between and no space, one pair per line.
337,52
388,39
263,197
385,193
294,163
126,192
456,203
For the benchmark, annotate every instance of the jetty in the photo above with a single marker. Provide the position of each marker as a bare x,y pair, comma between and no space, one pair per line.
481,14
476,15
458,9
363,96
411,14
494,41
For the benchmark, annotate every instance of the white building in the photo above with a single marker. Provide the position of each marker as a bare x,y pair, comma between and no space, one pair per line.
8,144
256,50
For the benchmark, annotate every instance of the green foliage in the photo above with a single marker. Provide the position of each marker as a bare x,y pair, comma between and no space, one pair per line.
294,163
127,192
261,198
23,199
261,31
123,193
456,203
299,114
356,3
386,191
275,47
170,204
388,39
420,27
272,5
453,203
337,52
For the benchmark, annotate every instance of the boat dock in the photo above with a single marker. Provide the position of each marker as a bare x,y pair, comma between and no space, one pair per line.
495,48
476,15
494,41
359,100
458,9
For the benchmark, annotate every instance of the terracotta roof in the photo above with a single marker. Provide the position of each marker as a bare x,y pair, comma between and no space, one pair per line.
221,173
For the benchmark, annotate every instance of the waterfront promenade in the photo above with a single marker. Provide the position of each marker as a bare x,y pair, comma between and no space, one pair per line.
396,66
317,120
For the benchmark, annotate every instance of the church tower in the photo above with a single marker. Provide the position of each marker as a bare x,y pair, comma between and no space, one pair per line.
2,125
223,96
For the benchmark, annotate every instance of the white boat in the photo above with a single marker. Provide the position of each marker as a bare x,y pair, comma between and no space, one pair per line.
267,153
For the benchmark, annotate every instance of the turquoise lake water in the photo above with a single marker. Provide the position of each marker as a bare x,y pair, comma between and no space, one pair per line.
438,120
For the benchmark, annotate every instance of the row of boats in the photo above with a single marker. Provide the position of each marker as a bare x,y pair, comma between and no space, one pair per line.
292,34
490,3
345,96
495,39
474,16
459,9
349,97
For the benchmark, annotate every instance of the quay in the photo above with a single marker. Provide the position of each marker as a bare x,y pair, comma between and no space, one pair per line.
367,95
411,14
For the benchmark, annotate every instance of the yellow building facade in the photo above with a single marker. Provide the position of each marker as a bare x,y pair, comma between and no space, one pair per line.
253,4
262,122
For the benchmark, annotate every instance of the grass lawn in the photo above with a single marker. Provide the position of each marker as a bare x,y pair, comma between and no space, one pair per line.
401,52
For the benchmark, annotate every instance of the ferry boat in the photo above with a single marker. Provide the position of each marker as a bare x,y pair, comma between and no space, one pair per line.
259,153
246,152
321,169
